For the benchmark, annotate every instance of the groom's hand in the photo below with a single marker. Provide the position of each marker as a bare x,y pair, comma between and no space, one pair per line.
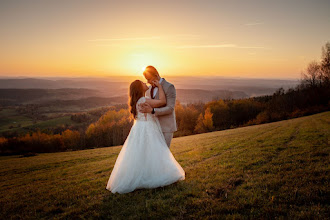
145,108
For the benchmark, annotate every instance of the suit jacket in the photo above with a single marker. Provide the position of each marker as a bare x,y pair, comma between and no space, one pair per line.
166,115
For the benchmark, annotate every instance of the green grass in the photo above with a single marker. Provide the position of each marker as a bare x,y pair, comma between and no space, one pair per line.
53,122
276,170
9,117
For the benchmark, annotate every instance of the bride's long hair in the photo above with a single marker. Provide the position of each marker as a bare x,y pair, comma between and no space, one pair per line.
135,93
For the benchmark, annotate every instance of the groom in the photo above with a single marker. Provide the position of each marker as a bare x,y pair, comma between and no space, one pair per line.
166,114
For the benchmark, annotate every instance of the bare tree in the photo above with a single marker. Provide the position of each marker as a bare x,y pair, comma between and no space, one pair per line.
325,63
312,74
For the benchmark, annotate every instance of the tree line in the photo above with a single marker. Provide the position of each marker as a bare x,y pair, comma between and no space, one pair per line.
311,96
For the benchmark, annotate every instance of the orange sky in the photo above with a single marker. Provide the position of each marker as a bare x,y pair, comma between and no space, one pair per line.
101,38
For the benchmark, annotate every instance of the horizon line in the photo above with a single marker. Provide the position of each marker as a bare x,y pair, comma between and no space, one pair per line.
170,76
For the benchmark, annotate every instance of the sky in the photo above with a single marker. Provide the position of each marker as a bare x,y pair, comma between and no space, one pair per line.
247,38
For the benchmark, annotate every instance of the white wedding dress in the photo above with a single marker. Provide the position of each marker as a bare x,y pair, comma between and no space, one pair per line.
144,161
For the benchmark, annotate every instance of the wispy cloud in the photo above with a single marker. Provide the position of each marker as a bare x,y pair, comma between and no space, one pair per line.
108,45
220,46
127,39
254,23
184,36
207,46
180,36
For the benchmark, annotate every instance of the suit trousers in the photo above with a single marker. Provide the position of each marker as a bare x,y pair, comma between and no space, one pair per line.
168,138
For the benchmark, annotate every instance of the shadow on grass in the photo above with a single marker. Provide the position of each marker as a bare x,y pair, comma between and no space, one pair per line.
158,203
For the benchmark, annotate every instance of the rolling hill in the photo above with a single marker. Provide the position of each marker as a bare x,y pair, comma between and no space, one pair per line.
198,95
92,97
34,96
117,86
275,170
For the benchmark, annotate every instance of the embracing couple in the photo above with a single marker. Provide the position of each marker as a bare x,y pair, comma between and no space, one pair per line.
145,160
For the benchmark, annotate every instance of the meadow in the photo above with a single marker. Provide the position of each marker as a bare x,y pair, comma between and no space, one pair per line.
12,121
275,170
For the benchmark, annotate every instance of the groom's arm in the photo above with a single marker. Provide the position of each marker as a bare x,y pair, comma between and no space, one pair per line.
170,102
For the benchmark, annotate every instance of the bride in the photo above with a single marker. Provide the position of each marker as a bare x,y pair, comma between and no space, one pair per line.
144,161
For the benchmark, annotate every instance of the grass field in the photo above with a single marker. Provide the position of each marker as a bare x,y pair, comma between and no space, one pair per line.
9,117
275,170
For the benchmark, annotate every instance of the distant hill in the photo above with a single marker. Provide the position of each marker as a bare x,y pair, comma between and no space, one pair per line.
33,96
28,83
55,84
93,98
199,95
118,86
105,87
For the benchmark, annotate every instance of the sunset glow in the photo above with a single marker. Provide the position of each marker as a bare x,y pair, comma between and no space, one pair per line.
137,62
219,38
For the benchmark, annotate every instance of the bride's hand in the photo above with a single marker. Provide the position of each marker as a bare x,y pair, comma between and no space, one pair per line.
145,108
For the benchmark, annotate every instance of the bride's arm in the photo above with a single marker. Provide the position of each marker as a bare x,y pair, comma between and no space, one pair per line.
155,103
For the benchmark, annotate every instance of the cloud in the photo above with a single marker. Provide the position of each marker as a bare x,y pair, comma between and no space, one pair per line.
182,36
127,39
108,45
208,46
253,24
220,46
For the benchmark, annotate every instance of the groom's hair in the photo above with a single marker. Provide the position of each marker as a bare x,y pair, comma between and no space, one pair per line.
150,70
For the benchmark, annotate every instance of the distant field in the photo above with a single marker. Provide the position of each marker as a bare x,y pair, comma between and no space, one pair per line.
9,117
268,171
53,122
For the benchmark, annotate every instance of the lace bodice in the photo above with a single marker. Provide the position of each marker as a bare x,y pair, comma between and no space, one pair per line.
142,116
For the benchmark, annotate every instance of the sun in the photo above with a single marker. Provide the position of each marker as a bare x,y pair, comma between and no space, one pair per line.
137,62
143,68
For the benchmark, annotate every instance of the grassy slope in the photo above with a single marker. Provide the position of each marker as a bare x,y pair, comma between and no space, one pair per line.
262,171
